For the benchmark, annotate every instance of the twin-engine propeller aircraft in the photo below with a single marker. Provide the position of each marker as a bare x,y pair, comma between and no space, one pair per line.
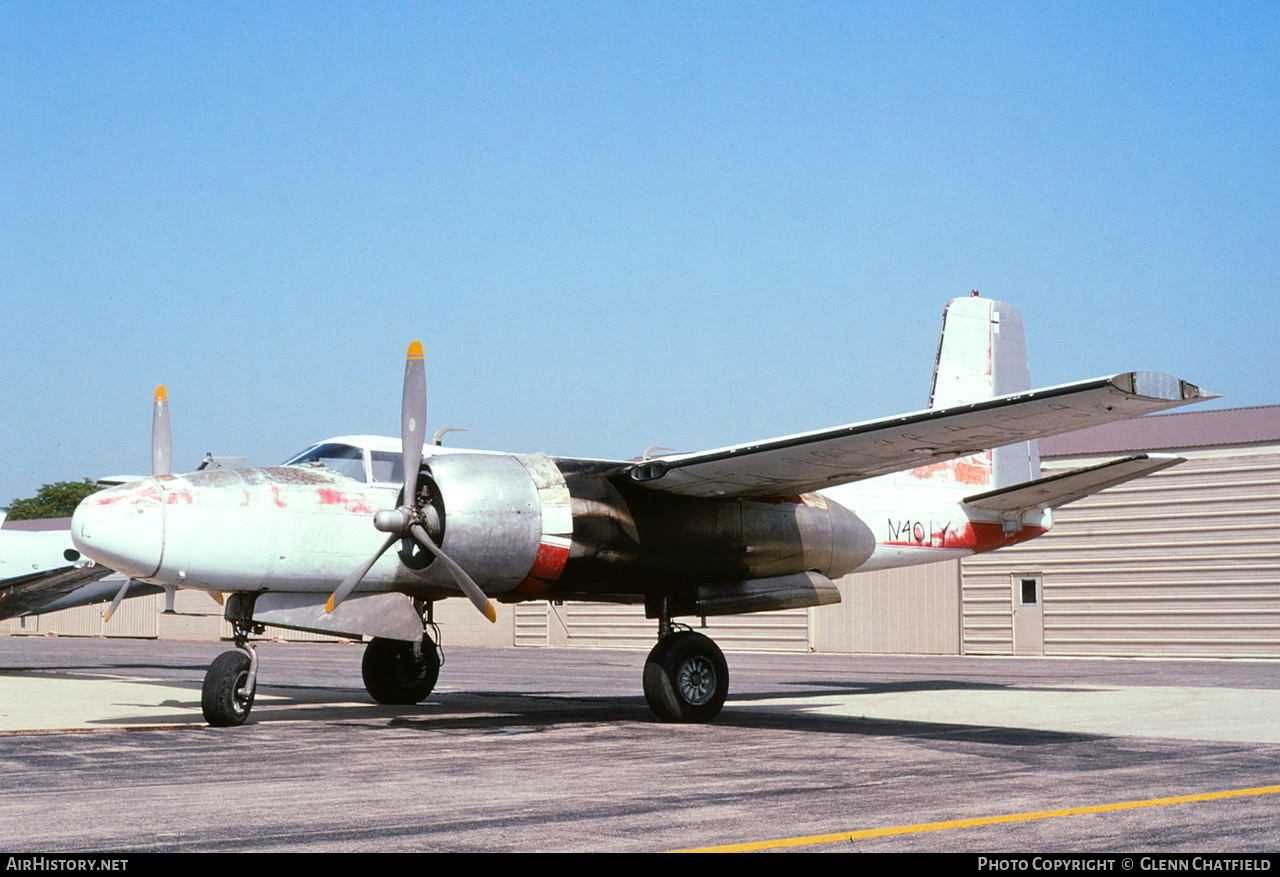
747,528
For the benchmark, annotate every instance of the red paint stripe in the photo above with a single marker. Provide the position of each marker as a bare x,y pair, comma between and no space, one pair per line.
328,496
550,561
547,567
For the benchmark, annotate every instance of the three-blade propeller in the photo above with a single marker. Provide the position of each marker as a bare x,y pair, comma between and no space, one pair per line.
409,520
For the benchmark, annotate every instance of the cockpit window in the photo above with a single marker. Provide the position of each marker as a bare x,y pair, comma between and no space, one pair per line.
387,467
343,459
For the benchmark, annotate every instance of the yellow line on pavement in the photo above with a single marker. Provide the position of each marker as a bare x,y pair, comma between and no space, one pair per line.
982,820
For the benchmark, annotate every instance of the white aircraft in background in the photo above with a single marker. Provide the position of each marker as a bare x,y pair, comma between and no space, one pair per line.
40,569
747,528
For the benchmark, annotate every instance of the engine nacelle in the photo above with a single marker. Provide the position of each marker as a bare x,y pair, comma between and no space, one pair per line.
796,591
492,519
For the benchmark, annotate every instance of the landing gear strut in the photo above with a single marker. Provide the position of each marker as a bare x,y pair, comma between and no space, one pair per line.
230,683
397,672
686,678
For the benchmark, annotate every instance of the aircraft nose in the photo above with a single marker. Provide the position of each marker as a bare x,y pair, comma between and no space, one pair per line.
122,527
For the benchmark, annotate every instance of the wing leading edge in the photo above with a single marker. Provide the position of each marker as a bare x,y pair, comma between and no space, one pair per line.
810,461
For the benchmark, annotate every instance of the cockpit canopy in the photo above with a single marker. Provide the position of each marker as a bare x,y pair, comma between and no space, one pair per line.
351,461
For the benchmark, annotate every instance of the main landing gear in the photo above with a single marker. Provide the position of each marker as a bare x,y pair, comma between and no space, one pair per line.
686,678
230,683
400,673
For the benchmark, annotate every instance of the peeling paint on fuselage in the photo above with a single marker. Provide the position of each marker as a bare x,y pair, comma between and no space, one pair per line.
973,471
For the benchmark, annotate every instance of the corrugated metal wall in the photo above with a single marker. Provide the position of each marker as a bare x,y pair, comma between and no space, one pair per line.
1182,563
914,610
136,617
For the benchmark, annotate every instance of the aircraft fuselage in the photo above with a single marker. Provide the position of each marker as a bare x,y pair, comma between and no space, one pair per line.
525,527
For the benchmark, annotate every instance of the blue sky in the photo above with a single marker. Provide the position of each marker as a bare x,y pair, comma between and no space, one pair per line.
612,225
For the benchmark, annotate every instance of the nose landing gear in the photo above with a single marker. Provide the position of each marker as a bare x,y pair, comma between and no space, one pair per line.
231,681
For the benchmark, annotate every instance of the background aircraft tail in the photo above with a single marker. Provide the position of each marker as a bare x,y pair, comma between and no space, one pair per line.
982,352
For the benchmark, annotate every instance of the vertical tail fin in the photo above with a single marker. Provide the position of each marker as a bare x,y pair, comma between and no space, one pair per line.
982,352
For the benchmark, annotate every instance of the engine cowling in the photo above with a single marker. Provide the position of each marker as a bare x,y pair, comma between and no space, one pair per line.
490,518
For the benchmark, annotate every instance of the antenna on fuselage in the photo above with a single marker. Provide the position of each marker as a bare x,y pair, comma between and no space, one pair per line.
438,438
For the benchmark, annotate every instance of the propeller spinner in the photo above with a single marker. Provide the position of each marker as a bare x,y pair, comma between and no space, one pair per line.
409,520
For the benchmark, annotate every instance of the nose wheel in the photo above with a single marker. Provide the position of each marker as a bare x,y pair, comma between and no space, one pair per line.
686,678
232,678
229,685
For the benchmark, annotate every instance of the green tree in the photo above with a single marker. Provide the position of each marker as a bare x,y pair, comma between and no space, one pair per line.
56,500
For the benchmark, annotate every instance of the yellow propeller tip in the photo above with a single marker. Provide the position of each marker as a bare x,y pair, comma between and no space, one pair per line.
490,612
415,350
328,605
161,393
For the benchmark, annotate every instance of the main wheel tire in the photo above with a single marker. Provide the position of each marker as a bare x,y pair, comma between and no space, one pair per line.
223,699
400,673
686,678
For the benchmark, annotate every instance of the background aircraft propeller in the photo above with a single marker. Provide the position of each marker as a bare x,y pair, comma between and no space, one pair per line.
161,439
408,521
161,464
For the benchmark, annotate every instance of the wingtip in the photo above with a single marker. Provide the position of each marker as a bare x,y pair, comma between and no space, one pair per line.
1163,387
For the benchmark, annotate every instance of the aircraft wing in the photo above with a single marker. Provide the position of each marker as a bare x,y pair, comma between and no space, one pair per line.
61,588
810,461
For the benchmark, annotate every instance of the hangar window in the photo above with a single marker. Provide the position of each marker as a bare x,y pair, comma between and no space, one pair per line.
1028,591
343,459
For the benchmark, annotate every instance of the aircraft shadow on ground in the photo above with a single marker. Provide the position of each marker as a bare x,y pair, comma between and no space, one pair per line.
818,688
507,712
99,668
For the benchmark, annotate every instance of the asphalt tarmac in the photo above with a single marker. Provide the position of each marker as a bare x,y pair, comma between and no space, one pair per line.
103,749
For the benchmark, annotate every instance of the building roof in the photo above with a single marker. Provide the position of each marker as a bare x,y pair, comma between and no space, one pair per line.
37,524
1225,427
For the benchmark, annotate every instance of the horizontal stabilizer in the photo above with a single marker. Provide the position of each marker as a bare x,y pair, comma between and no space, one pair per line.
1053,491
